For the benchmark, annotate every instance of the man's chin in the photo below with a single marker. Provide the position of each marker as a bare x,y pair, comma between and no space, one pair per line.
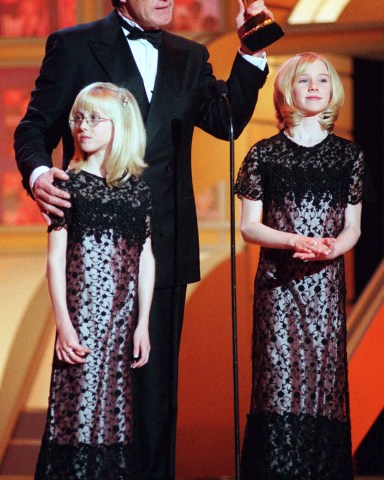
163,19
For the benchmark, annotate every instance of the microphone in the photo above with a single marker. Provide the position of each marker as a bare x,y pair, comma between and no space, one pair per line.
221,89
221,92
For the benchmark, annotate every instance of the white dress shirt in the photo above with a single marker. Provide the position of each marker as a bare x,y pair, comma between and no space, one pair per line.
146,57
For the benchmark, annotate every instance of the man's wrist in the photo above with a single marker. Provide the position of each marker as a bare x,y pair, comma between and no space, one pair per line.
36,173
258,59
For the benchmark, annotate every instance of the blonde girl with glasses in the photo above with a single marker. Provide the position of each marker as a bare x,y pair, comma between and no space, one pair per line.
100,272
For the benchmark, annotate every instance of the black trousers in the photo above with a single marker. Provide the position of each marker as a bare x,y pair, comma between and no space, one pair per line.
155,388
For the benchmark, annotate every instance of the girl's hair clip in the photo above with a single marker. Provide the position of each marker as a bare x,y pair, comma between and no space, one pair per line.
125,102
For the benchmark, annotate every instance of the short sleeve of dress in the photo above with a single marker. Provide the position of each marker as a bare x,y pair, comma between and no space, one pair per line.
65,221
355,192
249,179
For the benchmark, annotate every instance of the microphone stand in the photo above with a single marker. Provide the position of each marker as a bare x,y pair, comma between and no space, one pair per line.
223,96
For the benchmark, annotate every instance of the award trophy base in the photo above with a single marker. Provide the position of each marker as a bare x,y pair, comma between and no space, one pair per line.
260,31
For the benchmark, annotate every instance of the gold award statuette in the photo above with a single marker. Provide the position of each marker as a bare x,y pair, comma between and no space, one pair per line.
260,30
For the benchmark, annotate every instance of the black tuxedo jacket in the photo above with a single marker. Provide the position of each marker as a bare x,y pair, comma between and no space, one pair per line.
183,97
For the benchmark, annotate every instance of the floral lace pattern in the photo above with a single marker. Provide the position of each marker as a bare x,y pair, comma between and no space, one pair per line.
88,433
299,384
295,447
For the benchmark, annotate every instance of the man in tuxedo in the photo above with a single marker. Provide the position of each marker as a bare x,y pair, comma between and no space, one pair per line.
175,88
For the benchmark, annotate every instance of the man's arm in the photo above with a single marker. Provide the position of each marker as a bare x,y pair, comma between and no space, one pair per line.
42,127
40,130
247,77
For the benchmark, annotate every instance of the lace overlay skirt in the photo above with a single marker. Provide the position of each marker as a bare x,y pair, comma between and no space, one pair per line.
89,429
299,426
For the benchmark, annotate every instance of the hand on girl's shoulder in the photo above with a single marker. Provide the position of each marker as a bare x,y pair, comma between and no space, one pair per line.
64,184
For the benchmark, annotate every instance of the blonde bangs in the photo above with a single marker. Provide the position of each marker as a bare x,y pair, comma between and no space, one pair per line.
94,101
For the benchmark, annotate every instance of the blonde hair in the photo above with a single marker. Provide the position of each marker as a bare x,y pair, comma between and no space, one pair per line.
287,114
125,153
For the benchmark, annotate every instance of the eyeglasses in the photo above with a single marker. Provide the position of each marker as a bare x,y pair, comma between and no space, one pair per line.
93,120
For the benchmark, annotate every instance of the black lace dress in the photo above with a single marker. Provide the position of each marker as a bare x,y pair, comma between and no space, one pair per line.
299,426
88,434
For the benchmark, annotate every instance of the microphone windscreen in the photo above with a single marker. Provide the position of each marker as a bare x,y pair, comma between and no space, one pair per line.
221,89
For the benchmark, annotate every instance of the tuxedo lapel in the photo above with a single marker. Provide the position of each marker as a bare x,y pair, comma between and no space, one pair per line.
115,57
169,78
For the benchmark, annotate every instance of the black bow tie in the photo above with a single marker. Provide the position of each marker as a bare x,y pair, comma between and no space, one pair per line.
152,36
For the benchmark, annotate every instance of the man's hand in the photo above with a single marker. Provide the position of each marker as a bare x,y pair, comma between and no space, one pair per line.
49,197
252,9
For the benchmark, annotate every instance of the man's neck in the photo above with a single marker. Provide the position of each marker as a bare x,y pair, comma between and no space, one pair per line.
124,13
129,20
